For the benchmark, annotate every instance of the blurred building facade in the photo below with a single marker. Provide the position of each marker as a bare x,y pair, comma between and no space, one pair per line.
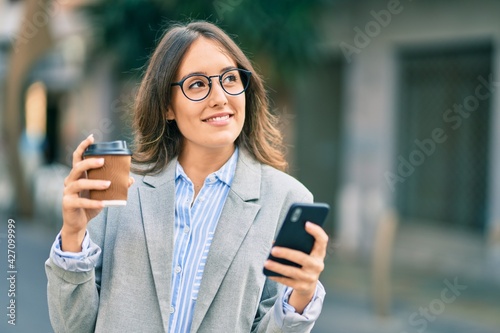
420,118
60,101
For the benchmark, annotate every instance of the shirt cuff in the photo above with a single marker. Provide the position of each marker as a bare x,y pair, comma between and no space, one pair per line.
83,261
289,308
288,318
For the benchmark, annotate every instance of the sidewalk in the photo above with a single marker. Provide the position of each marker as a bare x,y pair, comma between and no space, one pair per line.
33,243
426,261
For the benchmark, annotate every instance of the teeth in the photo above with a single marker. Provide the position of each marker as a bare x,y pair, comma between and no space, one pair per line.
218,118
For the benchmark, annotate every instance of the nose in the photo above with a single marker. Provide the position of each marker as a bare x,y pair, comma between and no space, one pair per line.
217,96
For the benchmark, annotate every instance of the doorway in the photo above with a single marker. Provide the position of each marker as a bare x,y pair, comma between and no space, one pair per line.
438,93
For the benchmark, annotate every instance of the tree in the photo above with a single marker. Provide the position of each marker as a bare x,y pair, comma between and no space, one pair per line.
281,34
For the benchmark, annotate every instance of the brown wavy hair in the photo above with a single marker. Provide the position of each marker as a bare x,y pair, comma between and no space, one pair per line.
158,140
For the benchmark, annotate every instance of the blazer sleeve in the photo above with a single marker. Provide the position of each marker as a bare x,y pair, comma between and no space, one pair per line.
266,319
73,297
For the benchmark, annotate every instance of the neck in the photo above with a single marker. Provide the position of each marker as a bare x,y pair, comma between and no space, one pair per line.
198,164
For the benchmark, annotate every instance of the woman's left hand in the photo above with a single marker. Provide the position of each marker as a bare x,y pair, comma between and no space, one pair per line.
303,280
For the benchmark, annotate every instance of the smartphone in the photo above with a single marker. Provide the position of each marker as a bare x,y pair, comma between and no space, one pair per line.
293,234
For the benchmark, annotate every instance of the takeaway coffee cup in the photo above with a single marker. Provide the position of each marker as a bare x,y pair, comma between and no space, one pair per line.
116,168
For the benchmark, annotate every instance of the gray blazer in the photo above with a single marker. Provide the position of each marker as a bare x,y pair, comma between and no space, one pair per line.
129,290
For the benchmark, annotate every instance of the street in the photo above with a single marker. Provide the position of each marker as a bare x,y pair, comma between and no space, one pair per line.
347,308
32,246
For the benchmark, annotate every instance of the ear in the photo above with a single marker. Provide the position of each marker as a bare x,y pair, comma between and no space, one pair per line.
170,114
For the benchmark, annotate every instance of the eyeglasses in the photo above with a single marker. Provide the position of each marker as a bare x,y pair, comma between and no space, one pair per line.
197,87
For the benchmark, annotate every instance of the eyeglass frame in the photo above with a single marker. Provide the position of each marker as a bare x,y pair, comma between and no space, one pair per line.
209,78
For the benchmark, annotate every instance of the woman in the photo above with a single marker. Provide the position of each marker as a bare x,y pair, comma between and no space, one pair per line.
205,203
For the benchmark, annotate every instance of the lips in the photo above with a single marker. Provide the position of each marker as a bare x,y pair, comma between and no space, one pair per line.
218,117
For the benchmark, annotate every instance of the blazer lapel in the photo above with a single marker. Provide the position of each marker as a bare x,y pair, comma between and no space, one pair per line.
157,203
237,216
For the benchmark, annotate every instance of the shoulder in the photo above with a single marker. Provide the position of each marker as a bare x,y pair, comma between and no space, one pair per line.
155,179
273,182
273,190
283,183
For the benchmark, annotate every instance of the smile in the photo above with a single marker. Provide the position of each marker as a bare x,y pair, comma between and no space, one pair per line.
215,119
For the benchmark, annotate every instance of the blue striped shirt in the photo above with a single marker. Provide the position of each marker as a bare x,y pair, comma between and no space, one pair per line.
195,224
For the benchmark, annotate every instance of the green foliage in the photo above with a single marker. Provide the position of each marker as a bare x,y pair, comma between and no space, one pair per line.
283,32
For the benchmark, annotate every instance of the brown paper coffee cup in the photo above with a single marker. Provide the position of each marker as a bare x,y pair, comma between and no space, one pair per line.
116,168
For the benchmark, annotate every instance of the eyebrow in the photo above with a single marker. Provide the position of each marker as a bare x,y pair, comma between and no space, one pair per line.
205,73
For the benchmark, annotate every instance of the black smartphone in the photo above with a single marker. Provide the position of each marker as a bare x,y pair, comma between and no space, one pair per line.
293,233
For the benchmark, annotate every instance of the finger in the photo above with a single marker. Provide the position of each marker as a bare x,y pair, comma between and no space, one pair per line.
290,272
284,280
79,169
77,154
308,262
320,239
292,255
131,181
77,202
86,184
300,287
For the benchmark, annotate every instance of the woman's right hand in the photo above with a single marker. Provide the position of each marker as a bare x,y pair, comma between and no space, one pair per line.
77,208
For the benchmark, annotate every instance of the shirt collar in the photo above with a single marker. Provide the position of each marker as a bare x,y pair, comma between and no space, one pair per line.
225,174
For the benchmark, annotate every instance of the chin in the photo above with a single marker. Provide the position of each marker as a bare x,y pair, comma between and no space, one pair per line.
218,145
224,140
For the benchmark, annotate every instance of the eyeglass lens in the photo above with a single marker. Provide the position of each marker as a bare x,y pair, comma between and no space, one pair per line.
197,87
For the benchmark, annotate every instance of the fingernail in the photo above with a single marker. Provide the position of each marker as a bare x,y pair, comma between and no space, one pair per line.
106,183
100,160
90,136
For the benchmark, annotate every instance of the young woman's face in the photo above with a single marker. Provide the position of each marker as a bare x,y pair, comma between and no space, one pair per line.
216,121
